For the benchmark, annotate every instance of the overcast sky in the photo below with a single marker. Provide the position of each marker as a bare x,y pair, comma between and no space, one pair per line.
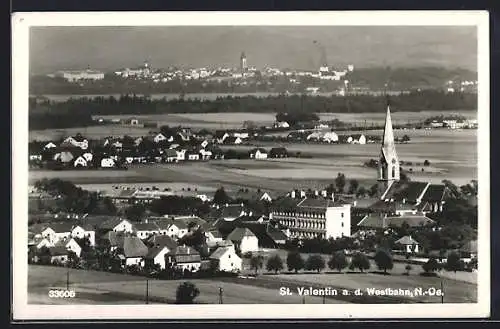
108,48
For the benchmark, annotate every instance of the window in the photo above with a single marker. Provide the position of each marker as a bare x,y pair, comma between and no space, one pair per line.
342,224
342,215
393,172
229,256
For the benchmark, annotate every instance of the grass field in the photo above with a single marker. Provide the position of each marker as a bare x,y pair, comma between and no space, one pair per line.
109,288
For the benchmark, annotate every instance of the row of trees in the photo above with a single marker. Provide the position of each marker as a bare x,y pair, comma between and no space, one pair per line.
339,261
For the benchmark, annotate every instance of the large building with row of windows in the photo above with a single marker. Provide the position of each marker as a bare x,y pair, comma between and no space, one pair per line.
73,76
310,217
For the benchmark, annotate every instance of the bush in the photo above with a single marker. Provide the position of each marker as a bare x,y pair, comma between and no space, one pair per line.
360,261
431,265
408,268
453,262
186,293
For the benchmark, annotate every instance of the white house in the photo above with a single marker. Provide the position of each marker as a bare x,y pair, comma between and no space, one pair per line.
71,245
258,154
184,258
134,251
49,145
204,144
57,231
80,162
226,259
177,229
357,139
244,240
330,137
241,135
145,230
88,156
159,138
118,225
205,155
281,124
181,155
156,255
409,244
108,163
82,232
193,156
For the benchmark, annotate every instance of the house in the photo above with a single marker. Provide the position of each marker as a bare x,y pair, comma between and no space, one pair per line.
117,225
315,136
408,244
159,138
58,255
108,163
70,245
278,152
49,145
221,136
84,231
57,231
244,240
193,156
384,221
40,242
330,137
145,230
225,259
204,144
258,153
77,141
356,139
112,240
181,155
233,140
213,236
88,156
241,135
184,258
162,241
156,256
170,155
134,250
64,157
80,162
281,124
205,154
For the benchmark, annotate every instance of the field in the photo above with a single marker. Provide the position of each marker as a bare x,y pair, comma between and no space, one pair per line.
229,120
452,154
109,288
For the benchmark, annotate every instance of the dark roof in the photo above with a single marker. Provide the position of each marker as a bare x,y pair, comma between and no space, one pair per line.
184,254
134,247
150,226
58,251
406,240
153,252
163,240
111,223
115,239
170,153
239,233
61,227
278,150
435,193
219,252
405,190
216,233
267,235
260,149
383,221
321,203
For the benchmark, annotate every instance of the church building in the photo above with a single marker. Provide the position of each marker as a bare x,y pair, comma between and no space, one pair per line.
401,201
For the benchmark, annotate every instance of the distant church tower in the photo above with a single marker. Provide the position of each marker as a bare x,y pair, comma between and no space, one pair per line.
388,165
243,62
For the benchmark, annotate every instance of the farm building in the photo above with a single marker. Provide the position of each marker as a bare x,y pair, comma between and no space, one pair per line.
278,152
258,153
80,162
244,240
226,259
156,255
108,163
184,258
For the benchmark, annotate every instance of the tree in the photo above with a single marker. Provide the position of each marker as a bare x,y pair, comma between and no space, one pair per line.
274,263
353,186
404,177
405,139
340,182
338,261
315,263
431,265
256,263
383,259
453,262
294,261
135,212
408,268
360,261
427,163
220,196
186,293
362,192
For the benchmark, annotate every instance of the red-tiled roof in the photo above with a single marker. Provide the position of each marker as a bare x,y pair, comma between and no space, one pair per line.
239,233
134,247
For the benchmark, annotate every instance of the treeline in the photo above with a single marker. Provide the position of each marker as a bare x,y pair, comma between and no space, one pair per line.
132,104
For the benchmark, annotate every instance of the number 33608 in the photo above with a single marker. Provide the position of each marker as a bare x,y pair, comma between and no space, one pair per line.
61,293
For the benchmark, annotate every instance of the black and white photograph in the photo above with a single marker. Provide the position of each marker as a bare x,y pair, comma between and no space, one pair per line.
250,164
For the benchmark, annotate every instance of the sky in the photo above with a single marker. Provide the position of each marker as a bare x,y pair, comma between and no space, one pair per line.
298,47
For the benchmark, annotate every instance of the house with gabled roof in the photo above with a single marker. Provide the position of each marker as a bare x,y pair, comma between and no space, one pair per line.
225,259
383,221
258,153
133,251
57,231
58,255
116,224
70,244
408,244
156,255
146,229
82,231
244,240
161,240
184,258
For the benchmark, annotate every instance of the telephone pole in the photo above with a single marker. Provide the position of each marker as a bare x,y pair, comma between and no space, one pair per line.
147,291
220,295
67,278
442,292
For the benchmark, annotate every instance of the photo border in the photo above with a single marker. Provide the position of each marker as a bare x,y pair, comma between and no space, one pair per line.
20,91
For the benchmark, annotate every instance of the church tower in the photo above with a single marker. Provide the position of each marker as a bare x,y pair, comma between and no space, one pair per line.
388,165
243,63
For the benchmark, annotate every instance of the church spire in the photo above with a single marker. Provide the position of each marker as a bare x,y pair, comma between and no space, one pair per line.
388,163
